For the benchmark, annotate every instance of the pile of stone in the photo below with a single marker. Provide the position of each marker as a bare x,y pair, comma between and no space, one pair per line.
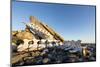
50,55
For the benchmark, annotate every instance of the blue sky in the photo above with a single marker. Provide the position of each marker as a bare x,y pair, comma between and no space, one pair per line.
72,22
